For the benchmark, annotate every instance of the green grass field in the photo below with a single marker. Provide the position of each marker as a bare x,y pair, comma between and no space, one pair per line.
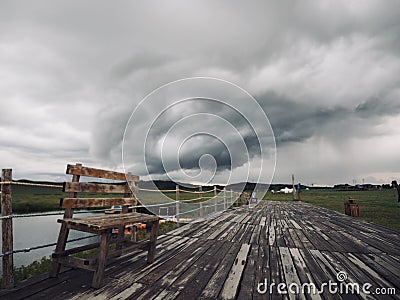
380,207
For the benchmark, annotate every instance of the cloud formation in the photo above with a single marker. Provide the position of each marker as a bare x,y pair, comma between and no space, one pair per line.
325,73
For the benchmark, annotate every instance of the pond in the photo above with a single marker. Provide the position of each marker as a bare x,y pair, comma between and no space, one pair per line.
40,230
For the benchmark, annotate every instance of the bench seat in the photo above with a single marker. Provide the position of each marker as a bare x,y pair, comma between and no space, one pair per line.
103,223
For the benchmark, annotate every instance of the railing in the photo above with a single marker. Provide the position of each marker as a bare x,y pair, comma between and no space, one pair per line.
221,200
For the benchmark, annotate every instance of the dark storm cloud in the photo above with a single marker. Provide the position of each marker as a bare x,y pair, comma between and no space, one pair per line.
296,122
375,107
219,145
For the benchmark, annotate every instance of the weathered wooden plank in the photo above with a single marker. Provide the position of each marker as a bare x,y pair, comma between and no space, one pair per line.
230,232
128,248
99,173
192,282
294,238
206,230
255,234
368,270
247,219
122,268
304,239
7,230
167,273
87,264
386,270
263,220
126,293
96,202
353,274
101,261
290,273
288,238
276,272
231,284
75,250
111,220
262,271
88,187
136,268
246,289
63,235
152,242
240,234
304,273
214,285
295,224
42,284
392,260
271,234
218,231
318,274
324,263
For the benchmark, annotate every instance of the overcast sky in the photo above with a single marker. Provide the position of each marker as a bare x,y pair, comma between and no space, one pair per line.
326,74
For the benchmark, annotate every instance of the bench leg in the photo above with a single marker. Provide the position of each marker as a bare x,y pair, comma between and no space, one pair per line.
120,237
101,261
61,242
153,240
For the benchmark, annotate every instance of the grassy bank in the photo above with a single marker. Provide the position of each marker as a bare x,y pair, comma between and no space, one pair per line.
380,207
28,199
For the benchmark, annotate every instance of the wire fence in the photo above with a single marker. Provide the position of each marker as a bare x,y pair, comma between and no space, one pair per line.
25,250
55,213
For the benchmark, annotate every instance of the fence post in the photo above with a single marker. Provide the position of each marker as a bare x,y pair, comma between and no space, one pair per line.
231,202
177,205
216,199
7,229
224,198
293,191
201,201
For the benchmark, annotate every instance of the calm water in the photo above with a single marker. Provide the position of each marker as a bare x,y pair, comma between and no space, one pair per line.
37,231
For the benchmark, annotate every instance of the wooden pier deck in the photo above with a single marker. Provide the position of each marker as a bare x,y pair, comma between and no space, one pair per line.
226,257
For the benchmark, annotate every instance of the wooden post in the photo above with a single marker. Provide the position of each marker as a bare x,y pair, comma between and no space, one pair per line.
230,202
215,199
64,232
201,201
224,198
177,205
98,275
7,229
135,189
293,192
152,242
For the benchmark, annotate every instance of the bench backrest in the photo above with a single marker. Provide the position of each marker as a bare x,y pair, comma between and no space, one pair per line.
75,187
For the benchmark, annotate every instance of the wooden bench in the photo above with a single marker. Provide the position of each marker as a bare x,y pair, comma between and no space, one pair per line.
102,225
